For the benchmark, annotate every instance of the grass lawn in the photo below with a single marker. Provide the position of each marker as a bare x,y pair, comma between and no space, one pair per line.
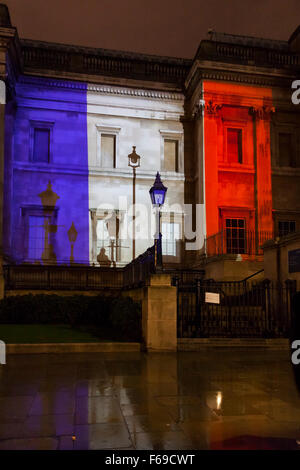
39,333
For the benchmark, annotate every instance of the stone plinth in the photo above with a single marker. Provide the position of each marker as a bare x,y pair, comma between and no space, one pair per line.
159,313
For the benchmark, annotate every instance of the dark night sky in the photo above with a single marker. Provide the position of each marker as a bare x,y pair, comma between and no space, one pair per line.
164,27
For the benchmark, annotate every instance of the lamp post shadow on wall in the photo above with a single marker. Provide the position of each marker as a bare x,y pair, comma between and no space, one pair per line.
48,199
72,235
134,161
158,193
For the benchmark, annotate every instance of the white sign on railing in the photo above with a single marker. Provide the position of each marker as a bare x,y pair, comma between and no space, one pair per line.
212,298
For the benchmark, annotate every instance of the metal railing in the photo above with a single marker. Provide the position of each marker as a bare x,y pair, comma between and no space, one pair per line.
238,309
222,243
137,273
51,277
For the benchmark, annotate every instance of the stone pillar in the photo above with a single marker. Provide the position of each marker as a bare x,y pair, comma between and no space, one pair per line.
264,218
2,117
211,121
159,322
10,66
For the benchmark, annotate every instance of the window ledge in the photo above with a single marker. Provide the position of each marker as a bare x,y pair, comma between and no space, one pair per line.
127,173
236,168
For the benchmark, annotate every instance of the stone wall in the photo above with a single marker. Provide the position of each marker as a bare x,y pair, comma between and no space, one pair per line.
276,264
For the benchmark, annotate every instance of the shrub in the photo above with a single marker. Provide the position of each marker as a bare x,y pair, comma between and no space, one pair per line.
122,315
126,316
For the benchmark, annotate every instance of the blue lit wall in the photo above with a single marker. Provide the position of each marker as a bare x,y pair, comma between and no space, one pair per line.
61,107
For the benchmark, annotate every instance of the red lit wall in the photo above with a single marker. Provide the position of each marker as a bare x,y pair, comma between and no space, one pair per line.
237,155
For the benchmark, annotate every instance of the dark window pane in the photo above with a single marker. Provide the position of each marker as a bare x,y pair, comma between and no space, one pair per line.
285,150
41,145
286,226
235,236
234,146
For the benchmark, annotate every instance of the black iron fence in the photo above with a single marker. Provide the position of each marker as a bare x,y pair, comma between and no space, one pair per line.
84,277
41,277
137,273
80,277
207,308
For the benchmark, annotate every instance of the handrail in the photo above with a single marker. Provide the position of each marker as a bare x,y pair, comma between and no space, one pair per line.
252,275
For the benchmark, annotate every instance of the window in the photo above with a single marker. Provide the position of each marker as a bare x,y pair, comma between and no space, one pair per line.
170,233
37,231
286,156
171,155
107,241
234,146
41,145
235,236
285,227
103,239
108,151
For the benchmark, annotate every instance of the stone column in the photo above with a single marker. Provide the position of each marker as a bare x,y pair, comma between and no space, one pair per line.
10,66
159,318
263,186
211,117
2,117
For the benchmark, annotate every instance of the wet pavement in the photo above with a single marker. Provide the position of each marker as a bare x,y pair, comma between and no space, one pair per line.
214,399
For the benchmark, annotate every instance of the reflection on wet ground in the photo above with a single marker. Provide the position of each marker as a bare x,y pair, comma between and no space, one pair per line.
215,399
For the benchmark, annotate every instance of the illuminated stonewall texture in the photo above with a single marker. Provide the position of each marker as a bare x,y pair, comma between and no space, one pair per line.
59,195
221,129
230,184
59,111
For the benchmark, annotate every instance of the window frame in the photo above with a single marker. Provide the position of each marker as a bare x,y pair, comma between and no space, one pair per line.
107,130
246,213
35,211
240,140
100,214
48,125
238,229
293,143
172,241
247,153
286,221
174,135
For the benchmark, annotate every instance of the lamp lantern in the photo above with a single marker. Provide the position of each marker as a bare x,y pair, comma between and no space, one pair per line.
158,192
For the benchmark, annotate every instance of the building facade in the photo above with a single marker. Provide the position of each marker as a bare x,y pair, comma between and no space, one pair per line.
221,129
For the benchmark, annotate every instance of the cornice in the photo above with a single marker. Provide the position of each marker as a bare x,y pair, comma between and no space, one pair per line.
52,82
249,75
102,89
153,94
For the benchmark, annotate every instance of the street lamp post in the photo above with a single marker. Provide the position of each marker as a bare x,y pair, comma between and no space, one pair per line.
134,163
158,193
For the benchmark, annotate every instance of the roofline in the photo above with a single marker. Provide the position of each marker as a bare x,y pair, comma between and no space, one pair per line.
105,52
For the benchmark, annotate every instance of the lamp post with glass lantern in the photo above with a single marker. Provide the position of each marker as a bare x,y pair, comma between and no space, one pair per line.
158,193
134,163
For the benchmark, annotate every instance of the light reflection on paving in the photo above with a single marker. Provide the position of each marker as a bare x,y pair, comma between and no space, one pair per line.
204,400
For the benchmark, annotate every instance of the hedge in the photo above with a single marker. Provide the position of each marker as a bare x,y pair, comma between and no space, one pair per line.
120,314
